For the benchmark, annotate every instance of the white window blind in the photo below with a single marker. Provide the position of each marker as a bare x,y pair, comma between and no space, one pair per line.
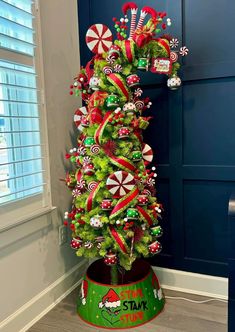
22,146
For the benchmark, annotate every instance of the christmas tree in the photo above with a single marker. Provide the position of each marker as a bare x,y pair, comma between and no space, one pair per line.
115,214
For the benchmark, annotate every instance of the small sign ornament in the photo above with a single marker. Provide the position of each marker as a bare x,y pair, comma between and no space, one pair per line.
161,66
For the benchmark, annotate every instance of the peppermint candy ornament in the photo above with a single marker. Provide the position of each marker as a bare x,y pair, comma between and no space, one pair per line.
147,153
120,183
92,185
173,56
99,38
117,68
95,149
184,51
78,115
174,43
107,70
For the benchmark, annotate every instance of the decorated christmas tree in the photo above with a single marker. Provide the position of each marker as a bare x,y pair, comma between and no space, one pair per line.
114,213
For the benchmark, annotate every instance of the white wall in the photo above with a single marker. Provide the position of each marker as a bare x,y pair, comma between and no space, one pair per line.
32,263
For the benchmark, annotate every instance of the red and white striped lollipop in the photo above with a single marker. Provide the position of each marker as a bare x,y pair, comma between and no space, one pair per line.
78,116
147,153
99,38
120,183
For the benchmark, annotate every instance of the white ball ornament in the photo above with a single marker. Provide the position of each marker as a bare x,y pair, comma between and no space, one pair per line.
174,82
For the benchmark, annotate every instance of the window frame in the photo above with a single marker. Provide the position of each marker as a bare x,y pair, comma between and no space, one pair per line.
19,211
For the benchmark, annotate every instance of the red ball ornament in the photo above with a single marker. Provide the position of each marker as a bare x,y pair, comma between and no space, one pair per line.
76,243
88,169
106,204
143,199
132,80
110,258
84,121
155,247
123,132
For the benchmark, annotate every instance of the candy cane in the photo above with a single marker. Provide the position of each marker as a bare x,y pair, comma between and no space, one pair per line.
144,12
133,7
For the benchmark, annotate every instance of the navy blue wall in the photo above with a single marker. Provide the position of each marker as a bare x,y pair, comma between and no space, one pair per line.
193,132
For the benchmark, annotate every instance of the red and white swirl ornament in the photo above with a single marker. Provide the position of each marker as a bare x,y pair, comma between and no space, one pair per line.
120,183
147,153
79,113
99,38
95,149
173,56
92,185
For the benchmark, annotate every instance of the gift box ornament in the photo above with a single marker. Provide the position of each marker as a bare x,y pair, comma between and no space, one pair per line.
89,141
132,214
122,306
136,155
112,101
143,64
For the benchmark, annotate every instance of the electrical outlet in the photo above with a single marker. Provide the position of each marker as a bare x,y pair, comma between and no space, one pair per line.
62,235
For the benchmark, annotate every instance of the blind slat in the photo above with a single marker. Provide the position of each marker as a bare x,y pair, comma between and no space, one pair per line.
18,87
18,117
21,146
22,190
20,101
21,161
23,175
9,3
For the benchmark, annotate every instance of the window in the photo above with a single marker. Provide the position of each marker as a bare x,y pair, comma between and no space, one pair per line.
23,164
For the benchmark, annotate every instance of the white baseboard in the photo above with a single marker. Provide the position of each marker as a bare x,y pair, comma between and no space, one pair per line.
26,316
193,283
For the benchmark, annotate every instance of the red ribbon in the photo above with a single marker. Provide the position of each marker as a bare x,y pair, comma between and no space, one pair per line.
145,215
90,199
123,203
99,131
128,51
122,163
164,44
122,87
118,239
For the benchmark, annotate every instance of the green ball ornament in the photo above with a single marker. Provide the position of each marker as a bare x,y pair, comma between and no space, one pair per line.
116,26
132,213
143,63
112,101
118,29
157,231
136,155
73,159
89,141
